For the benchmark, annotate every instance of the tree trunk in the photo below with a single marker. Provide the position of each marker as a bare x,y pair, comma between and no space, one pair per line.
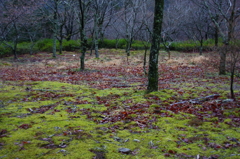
61,40
216,36
60,46
128,45
96,36
232,81
128,48
145,60
83,49
15,50
82,7
153,59
54,45
222,64
169,52
201,47
55,29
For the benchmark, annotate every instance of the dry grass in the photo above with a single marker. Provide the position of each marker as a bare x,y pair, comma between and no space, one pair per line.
190,60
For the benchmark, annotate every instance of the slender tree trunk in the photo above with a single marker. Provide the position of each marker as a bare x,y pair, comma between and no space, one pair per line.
216,36
83,49
55,30
15,50
169,53
128,45
61,40
96,36
92,46
60,46
201,47
232,81
31,45
54,45
128,48
223,56
82,7
145,60
154,52
117,41
15,42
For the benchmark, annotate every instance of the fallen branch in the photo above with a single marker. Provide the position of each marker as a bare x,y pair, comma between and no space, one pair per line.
198,100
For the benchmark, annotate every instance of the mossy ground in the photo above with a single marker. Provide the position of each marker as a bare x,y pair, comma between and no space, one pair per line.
59,133
50,119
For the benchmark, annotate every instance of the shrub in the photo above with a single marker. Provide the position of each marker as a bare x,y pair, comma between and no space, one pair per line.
5,50
183,46
188,46
70,45
107,43
45,45
25,47
138,45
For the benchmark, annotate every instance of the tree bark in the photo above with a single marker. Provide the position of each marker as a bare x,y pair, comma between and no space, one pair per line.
222,64
154,52
54,45
145,60
55,28
232,81
201,47
216,36
82,8
96,32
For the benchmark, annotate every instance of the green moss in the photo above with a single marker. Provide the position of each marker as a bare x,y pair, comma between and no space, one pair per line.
78,131
155,106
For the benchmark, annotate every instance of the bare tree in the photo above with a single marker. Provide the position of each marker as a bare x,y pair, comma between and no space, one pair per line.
70,27
173,22
234,62
197,25
50,10
154,52
145,32
103,12
131,20
82,11
229,12
12,21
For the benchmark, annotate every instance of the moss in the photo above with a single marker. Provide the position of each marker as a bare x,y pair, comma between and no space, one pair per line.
155,106
79,131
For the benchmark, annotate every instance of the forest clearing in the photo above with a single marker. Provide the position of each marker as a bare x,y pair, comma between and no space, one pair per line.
51,109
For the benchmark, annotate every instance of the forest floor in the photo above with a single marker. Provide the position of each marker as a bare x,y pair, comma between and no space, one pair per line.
50,109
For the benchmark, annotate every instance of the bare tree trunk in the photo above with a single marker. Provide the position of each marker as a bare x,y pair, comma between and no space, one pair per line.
61,39
96,29
128,44
169,53
154,52
145,60
216,36
232,81
82,9
15,50
83,50
54,45
201,47
55,29
222,64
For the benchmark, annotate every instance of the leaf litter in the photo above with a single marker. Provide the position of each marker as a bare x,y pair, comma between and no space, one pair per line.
56,111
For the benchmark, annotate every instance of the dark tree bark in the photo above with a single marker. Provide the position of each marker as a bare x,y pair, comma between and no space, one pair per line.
83,6
154,52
